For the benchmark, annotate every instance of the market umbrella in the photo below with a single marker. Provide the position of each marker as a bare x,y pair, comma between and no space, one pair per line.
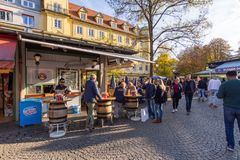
126,79
135,82
113,83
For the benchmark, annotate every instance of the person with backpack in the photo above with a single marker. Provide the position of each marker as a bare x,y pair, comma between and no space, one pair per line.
160,98
176,94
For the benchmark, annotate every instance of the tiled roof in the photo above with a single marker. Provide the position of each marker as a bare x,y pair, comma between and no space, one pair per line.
91,14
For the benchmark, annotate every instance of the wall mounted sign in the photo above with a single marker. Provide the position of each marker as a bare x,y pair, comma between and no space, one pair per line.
42,76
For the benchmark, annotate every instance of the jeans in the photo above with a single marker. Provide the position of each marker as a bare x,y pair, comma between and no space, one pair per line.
201,93
175,102
230,114
158,110
150,104
117,108
90,117
188,97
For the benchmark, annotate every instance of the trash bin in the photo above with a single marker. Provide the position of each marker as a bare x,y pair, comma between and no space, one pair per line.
30,111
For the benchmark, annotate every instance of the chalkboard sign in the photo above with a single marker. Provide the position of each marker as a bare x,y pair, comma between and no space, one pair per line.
71,77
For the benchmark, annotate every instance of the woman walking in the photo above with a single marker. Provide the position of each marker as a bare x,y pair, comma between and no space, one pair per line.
160,98
176,93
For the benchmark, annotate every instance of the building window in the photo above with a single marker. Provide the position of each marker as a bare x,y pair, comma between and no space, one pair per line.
28,20
57,23
90,32
100,21
120,39
114,25
57,7
83,16
127,40
79,30
126,28
28,4
12,1
5,15
146,67
101,34
140,68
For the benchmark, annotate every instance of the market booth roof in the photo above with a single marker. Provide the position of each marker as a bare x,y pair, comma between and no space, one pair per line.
228,66
91,51
7,52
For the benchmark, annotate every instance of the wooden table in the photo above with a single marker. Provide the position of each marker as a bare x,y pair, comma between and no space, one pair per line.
132,104
104,110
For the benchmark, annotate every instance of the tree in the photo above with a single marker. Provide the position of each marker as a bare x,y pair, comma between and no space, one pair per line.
165,65
196,58
166,20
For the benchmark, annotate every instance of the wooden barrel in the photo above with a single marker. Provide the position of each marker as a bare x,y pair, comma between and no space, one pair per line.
104,109
131,103
57,112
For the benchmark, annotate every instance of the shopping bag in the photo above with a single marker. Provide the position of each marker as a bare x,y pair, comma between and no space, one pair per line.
144,114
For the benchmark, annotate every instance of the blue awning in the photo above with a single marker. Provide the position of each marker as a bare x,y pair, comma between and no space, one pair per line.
228,66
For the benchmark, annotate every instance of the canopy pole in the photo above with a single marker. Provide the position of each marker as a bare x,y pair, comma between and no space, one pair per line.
103,73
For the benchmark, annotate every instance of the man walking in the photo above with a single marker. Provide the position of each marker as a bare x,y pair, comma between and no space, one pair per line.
202,85
189,89
229,91
150,90
90,94
213,87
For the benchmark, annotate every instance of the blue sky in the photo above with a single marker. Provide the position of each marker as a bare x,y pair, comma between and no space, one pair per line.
223,14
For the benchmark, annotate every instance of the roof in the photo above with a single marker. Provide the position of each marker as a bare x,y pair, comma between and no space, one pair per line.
91,14
228,66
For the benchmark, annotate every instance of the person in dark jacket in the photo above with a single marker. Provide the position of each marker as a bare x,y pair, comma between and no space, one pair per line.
189,89
149,96
229,91
202,85
119,93
176,93
90,94
159,100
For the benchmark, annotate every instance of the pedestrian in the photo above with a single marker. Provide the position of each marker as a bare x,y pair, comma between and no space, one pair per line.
119,93
160,98
229,92
213,87
131,89
189,89
149,96
202,85
90,94
176,94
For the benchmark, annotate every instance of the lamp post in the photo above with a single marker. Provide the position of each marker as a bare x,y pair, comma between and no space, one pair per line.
37,58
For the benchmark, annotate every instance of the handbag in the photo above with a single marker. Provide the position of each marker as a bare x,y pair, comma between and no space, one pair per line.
144,114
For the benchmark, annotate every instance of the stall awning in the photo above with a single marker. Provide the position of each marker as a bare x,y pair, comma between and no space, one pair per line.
7,51
91,51
228,66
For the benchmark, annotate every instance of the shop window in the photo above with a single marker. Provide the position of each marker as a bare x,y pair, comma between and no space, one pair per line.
28,4
79,30
58,23
90,32
6,15
28,20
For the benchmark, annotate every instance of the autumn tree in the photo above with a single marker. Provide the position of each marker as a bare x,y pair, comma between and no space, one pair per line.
196,58
166,20
165,65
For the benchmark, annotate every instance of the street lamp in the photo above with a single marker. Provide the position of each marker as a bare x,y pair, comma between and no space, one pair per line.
37,58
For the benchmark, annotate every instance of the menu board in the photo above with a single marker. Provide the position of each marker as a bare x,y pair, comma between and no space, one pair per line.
71,77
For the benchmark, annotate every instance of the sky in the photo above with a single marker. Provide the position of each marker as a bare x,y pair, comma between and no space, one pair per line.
223,14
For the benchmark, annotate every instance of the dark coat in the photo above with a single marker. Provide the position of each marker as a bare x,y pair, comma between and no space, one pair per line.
91,92
150,90
192,86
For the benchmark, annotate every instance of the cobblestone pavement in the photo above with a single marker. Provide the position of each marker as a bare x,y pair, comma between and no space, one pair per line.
199,136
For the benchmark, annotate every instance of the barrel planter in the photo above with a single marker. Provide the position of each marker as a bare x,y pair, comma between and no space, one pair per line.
57,112
131,103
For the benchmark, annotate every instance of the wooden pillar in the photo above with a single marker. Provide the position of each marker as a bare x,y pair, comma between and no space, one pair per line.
23,71
16,84
103,73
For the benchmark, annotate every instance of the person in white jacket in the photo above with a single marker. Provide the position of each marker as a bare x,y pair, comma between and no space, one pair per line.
213,87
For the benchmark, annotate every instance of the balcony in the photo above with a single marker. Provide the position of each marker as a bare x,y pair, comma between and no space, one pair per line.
56,9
